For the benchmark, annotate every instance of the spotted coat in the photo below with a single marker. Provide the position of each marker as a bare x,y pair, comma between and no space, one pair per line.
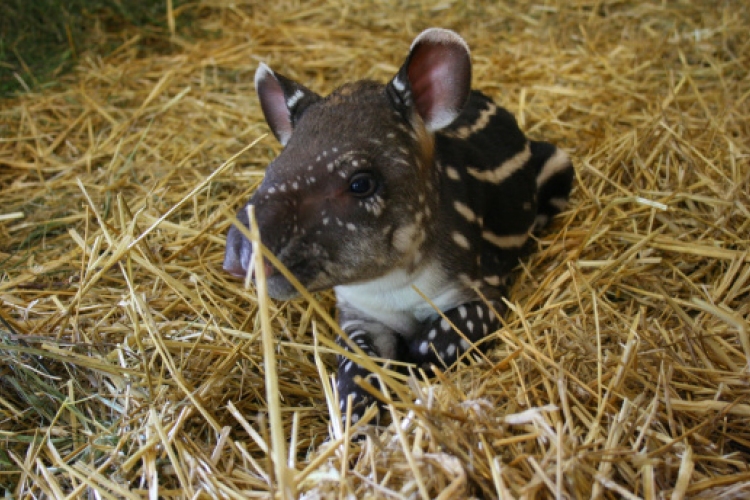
383,189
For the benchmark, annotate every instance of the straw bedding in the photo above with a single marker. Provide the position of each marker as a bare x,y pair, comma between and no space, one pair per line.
132,366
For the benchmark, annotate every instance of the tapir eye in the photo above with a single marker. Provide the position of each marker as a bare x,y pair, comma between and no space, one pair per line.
363,184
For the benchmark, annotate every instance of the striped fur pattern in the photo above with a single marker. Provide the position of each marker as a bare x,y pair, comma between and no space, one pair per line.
421,183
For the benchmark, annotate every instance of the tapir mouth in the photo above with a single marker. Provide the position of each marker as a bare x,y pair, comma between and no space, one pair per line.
275,280
307,270
239,269
239,255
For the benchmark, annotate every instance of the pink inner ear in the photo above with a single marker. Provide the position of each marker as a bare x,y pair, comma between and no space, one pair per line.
439,74
273,104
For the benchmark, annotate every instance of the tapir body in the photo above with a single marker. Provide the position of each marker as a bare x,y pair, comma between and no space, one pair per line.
383,190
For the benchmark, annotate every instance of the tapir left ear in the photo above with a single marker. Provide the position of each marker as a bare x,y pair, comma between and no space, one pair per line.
282,100
435,78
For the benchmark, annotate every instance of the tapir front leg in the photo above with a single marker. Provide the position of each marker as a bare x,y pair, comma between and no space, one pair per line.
377,341
438,343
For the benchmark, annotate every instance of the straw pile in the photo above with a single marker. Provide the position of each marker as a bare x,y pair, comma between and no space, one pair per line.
130,365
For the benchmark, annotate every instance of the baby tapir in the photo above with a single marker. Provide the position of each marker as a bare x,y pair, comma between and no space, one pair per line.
380,189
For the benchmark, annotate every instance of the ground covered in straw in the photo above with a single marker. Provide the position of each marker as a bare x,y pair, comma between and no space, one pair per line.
130,364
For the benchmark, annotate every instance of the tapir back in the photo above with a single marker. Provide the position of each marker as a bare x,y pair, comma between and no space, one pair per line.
497,187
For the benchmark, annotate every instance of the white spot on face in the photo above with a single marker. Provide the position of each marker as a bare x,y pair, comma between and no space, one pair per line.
330,167
351,227
445,325
282,188
295,185
464,345
355,418
390,135
326,220
271,190
480,312
374,206
432,334
462,311
418,257
424,347
348,366
461,240
484,328
450,350
355,163
403,237
470,326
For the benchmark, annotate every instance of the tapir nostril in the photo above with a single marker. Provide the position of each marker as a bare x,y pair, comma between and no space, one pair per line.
238,268
238,254
233,265
238,251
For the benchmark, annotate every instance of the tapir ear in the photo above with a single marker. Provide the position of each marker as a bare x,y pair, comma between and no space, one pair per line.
435,78
282,100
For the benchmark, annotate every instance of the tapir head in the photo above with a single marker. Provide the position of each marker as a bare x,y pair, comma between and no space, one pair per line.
353,194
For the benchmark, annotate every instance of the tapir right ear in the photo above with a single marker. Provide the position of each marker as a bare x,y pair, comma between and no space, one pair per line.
282,100
435,79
